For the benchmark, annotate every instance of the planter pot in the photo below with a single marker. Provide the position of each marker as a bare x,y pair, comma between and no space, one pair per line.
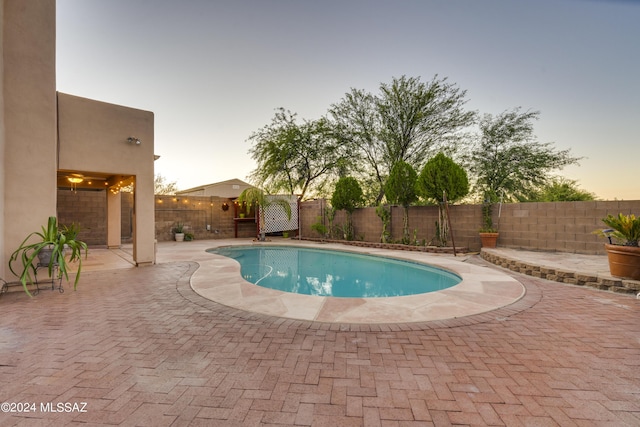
624,261
489,240
44,256
179,237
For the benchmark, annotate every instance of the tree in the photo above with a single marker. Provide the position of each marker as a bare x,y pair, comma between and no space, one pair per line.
161,187
440,180
356,119
347,196
419,120
508,162
560,190
296,157
408,121
384,213
400,188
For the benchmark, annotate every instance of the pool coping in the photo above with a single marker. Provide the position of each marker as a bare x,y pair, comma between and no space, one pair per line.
482,289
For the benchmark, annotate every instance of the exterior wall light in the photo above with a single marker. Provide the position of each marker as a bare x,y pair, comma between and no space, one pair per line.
134,140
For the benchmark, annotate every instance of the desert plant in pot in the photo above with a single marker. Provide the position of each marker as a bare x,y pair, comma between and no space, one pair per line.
55,247
623,251
488,234
178,232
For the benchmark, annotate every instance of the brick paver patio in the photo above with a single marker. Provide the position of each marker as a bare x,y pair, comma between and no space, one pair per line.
140,348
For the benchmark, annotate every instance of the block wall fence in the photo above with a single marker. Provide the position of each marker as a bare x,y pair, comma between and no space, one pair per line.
558,226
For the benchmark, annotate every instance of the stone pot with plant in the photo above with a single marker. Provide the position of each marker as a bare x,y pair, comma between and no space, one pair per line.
55,247
623,251
178,232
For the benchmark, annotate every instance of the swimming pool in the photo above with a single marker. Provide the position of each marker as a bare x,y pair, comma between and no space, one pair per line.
320,272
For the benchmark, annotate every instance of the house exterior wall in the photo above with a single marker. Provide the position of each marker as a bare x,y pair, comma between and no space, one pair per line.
3,256
30,152
28,188
93,137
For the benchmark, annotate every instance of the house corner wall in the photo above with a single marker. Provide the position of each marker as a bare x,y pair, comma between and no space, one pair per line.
93,137
28,142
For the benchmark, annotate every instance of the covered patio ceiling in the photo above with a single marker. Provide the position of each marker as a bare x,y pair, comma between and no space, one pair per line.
92,181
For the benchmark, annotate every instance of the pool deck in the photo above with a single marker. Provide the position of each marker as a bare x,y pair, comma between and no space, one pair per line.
480,291
140,347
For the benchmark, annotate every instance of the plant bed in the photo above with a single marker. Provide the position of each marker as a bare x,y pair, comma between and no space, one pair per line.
394,246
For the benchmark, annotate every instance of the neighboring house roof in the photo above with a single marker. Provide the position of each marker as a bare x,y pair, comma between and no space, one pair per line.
230,189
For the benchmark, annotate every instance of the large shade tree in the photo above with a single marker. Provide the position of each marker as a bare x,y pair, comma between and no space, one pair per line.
509,163
408,120
296,157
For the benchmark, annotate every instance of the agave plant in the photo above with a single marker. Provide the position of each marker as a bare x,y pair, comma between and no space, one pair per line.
64,247
625,229
260,198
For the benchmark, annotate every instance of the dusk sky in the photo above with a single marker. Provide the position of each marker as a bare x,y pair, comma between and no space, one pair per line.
213,72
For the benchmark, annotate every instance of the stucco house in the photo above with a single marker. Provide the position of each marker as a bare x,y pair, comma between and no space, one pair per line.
48,139
230,189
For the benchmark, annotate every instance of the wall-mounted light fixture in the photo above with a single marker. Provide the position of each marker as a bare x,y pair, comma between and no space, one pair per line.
134,140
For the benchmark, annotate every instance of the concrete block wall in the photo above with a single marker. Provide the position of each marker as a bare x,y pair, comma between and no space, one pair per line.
89,210
559,226
196,212
466,220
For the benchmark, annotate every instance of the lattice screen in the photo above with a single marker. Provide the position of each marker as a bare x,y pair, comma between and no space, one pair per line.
275,217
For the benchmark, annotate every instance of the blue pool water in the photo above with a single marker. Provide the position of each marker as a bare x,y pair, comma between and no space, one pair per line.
334,273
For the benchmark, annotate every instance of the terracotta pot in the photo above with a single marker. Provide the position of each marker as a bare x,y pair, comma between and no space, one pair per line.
624,261
489,240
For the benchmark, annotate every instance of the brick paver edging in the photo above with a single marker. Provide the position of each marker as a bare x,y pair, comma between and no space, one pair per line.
605,283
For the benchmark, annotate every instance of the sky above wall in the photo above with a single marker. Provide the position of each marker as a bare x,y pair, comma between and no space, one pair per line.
213,72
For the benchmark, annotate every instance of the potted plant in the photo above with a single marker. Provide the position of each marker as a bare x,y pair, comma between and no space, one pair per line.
623,251
178,232
488,234
188,237
55,247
